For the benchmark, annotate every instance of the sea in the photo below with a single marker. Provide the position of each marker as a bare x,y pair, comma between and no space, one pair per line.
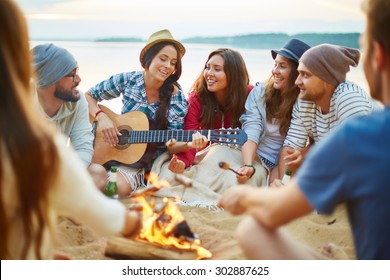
98,61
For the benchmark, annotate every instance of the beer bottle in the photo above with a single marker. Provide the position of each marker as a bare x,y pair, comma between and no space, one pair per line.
111,189
286,176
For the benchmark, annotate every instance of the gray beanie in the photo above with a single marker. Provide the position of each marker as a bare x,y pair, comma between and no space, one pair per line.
51,63
330,63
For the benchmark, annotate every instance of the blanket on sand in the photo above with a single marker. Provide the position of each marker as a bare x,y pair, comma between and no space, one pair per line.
208,180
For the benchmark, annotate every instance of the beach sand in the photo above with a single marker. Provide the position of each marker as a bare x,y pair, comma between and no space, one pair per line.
216,231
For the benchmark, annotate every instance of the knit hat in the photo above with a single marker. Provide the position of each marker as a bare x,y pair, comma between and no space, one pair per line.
161,36
51,63
293,50
330,63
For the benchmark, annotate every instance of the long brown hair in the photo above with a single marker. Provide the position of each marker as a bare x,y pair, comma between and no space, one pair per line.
278,105
26,144
166,90
237,79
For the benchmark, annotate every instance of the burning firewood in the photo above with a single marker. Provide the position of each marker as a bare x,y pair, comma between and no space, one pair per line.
163,226
182,230
123,248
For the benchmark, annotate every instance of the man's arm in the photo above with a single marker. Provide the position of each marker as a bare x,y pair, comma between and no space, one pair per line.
292,158
272,207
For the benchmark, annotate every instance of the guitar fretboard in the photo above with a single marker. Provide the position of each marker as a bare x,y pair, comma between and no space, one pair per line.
157,136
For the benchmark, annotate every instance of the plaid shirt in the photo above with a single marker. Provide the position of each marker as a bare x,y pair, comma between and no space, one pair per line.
132,87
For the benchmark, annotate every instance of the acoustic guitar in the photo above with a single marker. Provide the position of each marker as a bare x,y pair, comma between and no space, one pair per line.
135,147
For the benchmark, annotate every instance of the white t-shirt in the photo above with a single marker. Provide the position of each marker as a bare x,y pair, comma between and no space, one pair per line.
271,144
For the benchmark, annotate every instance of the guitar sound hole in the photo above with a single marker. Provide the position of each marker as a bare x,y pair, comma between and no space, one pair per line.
123,139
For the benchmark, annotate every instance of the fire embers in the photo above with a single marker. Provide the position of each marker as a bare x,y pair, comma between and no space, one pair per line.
180,230
164,224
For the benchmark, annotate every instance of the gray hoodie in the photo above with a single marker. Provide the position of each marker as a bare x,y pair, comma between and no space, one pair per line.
72,120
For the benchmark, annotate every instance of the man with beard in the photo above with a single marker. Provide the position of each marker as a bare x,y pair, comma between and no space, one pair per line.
326,99
351,166
59,100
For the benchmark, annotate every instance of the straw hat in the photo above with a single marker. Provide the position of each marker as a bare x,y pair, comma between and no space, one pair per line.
161,36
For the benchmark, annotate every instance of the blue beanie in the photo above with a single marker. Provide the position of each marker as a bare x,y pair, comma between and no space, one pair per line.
51,63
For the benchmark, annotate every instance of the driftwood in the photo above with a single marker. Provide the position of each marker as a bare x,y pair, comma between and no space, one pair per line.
124,248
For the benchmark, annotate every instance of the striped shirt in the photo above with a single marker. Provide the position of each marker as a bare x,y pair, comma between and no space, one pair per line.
348,100
131,86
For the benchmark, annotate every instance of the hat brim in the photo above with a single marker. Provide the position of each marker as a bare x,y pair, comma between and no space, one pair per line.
182,49
274,53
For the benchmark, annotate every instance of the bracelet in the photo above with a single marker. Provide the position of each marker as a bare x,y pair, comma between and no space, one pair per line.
254,169
98,112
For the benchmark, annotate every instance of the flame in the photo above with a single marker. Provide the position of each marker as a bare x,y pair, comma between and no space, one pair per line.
160,220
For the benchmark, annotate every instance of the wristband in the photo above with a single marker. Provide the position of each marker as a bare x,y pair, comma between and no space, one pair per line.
98,112
254,169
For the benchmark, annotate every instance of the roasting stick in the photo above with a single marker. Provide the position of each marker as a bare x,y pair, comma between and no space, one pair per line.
226,166
187,183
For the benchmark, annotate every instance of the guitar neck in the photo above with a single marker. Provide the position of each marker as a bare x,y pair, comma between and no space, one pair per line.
158,136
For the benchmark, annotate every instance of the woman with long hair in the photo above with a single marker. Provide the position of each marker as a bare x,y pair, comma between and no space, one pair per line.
217,100
39,179
268,111
153,91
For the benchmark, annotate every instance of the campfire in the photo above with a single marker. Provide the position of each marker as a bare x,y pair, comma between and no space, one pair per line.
164,227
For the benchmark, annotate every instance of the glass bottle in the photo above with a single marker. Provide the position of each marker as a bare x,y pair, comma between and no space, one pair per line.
111,189
286,176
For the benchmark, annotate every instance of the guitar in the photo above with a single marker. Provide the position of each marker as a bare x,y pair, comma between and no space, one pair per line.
134,147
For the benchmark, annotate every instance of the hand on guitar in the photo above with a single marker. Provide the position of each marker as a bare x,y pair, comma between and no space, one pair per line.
108,129
199,141
115,135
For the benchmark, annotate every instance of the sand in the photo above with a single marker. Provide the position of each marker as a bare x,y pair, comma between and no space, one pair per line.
216,231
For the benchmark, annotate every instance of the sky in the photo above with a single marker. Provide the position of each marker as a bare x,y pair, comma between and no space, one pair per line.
92,19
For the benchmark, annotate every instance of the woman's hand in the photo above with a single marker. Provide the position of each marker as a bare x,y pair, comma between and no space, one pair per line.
199,141
170,144
176,165
108,129
246,172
